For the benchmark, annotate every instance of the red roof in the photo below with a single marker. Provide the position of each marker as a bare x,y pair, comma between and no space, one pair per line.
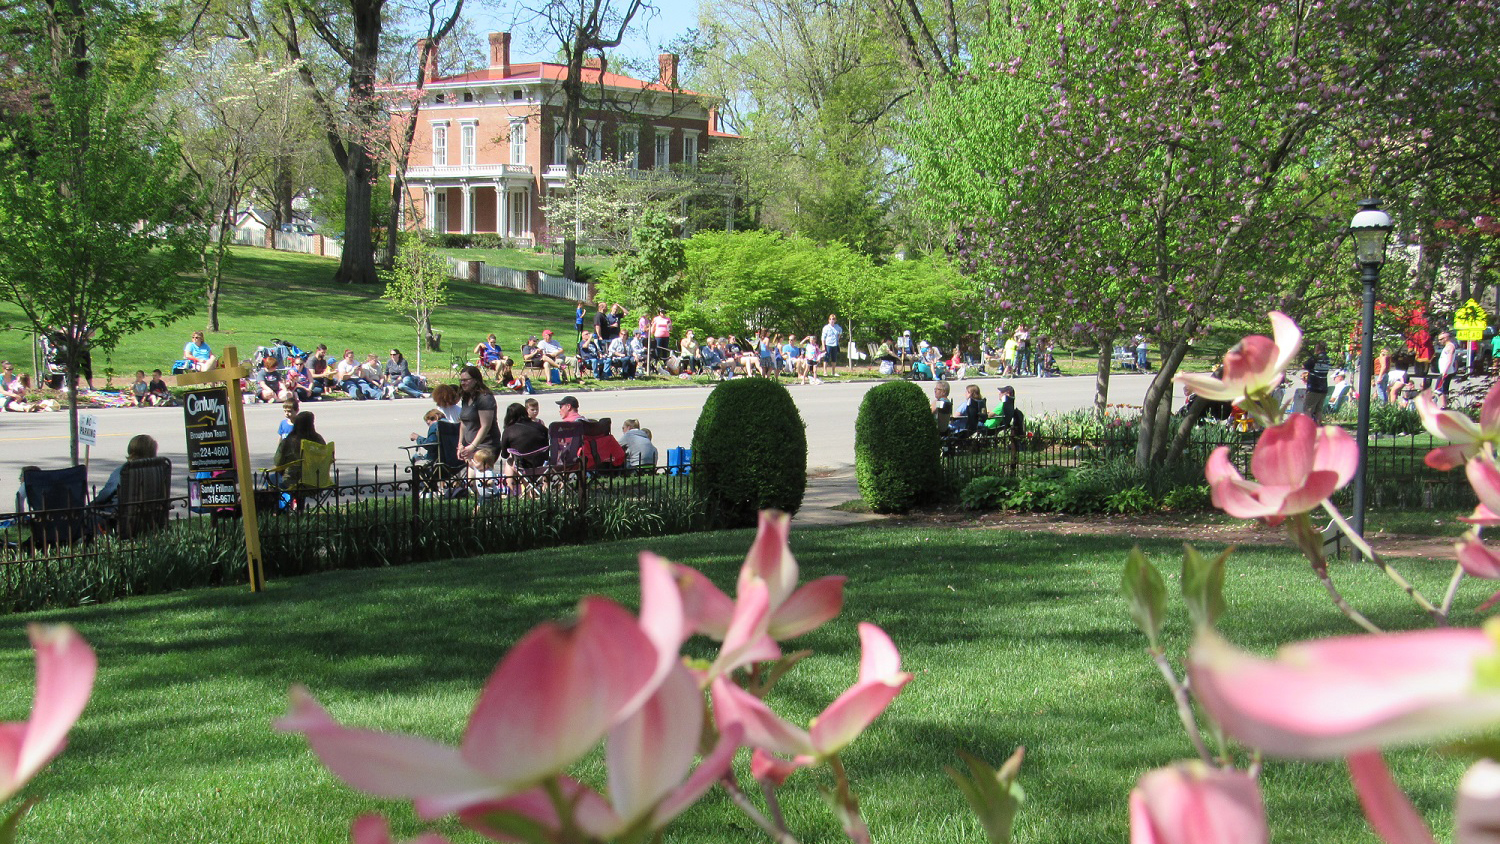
547,70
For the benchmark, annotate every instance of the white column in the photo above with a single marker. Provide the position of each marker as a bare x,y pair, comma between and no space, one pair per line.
468,226
431,208
729,213
502,212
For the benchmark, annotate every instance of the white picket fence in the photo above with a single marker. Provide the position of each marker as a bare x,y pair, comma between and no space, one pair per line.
553,286
307,244
556,287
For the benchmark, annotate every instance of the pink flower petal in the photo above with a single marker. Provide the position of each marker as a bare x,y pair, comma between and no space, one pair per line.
373,829
1446,457
762,727
1336,451
1484,477
1208,387
1482,516
1445,424
590,811
769,768
1386,806
808,608
708,610
1190,803
662,621
1489,412
65,669
1478,809
880,680
651,752
1288,339
853,711
556,693
384,764
1333,697
1477,559
709,771
1285,453
1250,360
770,558
747,641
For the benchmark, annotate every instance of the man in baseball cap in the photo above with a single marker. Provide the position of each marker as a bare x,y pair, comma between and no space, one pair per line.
567,408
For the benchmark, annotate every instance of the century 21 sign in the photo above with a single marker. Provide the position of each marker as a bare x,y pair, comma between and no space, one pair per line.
210,440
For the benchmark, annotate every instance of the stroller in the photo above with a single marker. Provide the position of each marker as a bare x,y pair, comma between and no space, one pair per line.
280,351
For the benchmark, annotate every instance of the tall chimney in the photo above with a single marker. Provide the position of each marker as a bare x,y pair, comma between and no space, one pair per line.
668,64
428,59
500,52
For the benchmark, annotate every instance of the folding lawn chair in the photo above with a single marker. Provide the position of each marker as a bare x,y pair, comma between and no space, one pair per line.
437,464
145,497
529,470
56,503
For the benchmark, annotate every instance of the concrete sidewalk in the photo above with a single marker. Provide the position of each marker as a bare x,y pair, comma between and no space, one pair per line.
827,489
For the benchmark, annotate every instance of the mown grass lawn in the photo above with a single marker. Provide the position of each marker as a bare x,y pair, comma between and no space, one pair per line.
268,294
1014,639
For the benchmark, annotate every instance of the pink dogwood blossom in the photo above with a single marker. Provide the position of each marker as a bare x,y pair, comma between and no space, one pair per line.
550,701
1467,438
1296,464
1256,365
1334,697
1484,477
880,680
65,669
648,756
769,606
1191,803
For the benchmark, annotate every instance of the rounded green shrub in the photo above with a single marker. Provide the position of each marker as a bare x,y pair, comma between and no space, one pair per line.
896,448
750,450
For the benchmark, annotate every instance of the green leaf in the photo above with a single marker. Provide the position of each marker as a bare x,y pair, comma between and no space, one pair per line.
1144,588
1203,585
13,821
994,795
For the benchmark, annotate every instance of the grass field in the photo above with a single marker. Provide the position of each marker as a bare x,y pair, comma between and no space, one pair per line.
1014,639
270,294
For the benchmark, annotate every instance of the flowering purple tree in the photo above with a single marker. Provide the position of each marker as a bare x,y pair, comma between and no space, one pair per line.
1163,166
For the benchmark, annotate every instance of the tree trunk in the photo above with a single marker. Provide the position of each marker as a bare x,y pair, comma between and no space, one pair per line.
1156,414
1185,430
357,266
1101,376
393,220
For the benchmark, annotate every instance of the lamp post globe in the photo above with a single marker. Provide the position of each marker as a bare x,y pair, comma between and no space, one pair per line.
1370,229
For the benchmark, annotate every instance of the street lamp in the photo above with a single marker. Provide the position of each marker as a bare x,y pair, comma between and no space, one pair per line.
1370,228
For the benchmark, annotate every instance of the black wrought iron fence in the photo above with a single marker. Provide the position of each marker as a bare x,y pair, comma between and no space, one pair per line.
72,557
1397,471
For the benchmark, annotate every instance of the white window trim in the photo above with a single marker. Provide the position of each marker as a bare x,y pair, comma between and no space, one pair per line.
439,151
518,140
659,161
559,144
468,141
690,161
633,135
593,140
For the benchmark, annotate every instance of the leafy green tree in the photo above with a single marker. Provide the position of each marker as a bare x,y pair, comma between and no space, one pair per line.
1164,167
95,212
651,276
416,287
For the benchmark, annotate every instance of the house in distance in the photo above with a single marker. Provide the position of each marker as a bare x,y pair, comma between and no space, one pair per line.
489,144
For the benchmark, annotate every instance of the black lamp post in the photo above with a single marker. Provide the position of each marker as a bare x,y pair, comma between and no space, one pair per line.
1370,228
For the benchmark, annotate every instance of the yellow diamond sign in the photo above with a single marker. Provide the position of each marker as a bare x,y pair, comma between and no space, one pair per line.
1469,322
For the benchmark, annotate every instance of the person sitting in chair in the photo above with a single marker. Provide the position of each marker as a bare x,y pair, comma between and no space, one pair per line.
289,452
971,414
639,450
140,447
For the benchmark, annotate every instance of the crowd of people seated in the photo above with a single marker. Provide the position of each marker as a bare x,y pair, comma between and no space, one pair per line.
972,418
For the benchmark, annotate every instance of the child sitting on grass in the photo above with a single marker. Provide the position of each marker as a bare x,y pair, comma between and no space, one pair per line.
160,395
140,391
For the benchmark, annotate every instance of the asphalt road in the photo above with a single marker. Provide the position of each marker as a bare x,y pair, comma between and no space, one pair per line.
368,434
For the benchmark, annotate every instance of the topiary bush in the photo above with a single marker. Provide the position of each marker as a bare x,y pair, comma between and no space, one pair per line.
896,448
750,450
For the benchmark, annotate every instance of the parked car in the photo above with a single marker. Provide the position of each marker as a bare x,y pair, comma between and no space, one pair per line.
297,228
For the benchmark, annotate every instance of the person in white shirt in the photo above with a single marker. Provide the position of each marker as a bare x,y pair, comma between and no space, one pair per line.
833,338
1447,365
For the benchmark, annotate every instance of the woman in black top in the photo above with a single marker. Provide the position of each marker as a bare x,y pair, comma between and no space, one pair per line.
525,435
476,419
